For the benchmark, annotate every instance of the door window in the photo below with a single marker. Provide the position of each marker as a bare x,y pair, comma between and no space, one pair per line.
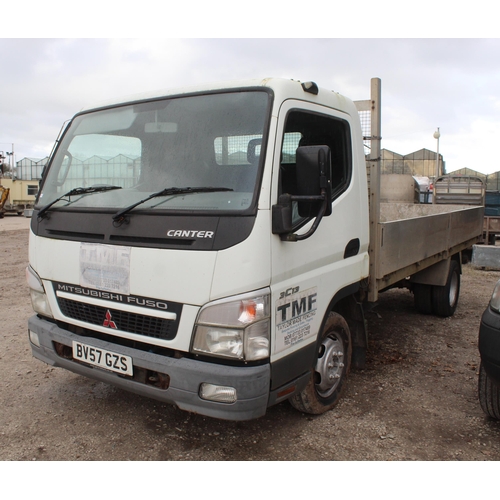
304,128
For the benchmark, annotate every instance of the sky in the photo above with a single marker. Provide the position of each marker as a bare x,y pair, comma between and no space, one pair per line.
428,82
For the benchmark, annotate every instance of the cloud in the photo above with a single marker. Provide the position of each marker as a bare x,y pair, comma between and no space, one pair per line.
426,83
474,146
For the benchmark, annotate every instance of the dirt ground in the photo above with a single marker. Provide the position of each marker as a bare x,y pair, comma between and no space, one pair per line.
415,401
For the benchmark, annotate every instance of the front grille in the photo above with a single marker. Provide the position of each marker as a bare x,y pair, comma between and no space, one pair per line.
139,324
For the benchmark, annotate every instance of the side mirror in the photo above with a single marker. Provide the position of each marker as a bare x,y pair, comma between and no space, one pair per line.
313,193
313,174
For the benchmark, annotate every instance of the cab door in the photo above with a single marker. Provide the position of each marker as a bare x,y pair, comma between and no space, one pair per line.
307,274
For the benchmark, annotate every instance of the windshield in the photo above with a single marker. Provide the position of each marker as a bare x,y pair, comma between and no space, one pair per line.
199,141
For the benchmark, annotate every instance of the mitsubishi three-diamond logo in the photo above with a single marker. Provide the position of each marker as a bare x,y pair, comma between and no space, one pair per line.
108,321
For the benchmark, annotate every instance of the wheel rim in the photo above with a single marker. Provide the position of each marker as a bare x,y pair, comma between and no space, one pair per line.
330,365
453,289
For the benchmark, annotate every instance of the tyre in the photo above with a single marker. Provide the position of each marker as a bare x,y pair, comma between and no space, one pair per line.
489,394
422,295
328,377
445,298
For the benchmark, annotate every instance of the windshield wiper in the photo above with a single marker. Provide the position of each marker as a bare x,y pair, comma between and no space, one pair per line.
167,192
75,192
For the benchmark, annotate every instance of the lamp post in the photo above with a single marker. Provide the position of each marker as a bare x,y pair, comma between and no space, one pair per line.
437,135
11,156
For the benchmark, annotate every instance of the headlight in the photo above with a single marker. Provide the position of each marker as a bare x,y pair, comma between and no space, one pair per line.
235,328
495,298
38,297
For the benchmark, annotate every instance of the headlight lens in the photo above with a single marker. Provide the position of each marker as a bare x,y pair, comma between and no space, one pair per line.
220,341
39,300
495,298
235,328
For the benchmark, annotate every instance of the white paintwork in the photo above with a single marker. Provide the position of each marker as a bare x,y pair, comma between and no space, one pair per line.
262,260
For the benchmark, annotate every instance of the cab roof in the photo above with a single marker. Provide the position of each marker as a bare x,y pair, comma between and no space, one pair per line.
282,89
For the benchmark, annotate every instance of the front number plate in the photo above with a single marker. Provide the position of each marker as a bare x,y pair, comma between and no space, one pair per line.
103,359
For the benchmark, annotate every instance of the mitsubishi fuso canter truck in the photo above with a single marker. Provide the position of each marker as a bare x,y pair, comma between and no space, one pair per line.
214,248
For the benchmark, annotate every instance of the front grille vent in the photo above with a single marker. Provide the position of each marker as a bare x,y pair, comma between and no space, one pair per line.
149,326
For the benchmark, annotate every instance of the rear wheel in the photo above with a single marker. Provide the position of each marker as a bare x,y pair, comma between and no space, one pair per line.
423,298
328,378
445,298
489,394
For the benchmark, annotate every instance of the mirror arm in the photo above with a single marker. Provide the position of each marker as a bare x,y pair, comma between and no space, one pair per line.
300,237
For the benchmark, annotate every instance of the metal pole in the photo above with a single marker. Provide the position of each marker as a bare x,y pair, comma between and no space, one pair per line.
437,135
373,105
374,163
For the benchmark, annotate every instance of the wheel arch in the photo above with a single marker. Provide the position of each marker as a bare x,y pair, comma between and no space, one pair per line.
334,354
346,304
298,363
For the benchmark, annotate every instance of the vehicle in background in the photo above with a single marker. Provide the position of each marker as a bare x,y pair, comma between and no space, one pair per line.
459,190
424,186
491,228
4,195
489,350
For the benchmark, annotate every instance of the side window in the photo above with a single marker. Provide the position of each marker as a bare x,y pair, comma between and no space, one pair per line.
311,129
291,142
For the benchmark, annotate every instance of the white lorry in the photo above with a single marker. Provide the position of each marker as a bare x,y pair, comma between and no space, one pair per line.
214,247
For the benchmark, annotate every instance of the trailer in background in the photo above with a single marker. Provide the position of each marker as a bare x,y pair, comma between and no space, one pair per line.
459,190
469,190
21,196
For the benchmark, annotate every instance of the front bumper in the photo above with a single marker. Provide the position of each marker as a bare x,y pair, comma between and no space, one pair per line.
489,344
185,375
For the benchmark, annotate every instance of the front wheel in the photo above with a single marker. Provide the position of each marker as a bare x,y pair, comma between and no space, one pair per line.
328,378
489,394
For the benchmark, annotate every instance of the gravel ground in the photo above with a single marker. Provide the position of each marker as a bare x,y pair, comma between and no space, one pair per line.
415,401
